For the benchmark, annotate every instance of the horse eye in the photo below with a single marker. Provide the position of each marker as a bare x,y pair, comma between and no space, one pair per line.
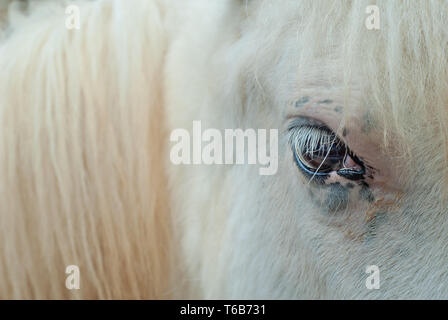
318,151
323,158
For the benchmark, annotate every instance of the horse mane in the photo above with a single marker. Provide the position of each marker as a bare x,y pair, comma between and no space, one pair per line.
81,152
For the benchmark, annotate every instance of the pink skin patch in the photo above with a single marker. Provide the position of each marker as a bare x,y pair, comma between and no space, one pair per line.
349,163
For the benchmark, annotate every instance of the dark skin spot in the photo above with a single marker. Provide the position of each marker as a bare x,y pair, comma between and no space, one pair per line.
337,197
350,185
326,101
344,132
338,109
302,101
365,184
366,194
368,122
330,198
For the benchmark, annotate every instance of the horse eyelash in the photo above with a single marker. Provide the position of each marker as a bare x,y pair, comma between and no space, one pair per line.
308,138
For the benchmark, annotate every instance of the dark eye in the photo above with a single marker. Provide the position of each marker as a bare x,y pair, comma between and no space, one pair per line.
318,151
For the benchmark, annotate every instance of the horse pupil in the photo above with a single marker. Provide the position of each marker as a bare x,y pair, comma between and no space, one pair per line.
325,158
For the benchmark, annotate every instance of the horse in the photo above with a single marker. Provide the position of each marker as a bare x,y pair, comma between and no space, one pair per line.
91,92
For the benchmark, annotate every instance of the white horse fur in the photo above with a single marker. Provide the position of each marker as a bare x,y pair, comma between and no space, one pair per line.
86,179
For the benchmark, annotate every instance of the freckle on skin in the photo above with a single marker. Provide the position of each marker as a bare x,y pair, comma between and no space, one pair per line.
344,132
337,198
366,194
327,101
302,101
368,123
338,109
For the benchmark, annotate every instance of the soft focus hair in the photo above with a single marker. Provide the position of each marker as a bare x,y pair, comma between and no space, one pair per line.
80,152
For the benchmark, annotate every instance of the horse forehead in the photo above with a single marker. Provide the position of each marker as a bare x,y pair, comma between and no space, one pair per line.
333,96
325,78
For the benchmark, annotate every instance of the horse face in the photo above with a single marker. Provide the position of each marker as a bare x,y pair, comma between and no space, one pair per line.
360,178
